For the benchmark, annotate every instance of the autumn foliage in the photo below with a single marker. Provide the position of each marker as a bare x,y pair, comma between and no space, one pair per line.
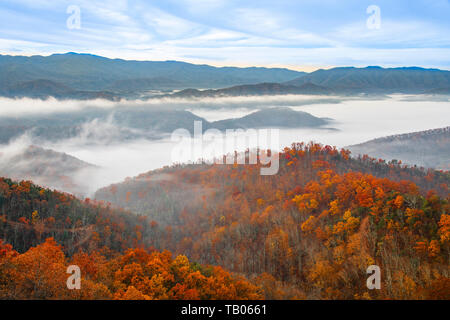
137,274
312,229
308,232
110,247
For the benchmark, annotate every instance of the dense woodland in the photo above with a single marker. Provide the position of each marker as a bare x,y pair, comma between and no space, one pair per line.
308,232
49,231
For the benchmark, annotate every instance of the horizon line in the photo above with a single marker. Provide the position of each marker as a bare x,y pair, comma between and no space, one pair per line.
296,68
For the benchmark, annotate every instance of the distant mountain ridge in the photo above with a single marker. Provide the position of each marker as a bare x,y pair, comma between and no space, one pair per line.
42,88
343,81
377,79
429,148
86,76
255,90
94,73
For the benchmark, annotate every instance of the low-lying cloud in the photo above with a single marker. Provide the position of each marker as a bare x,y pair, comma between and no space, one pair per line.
22,107
100,141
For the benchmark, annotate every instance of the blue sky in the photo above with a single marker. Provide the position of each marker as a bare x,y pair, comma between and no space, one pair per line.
302,34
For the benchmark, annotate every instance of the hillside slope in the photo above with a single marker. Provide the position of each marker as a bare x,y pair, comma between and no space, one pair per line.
42,232
279,117
45,167
42,88
314,227
430,148
259,89
377,79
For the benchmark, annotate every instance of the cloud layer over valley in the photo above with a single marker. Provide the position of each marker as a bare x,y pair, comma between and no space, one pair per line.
118,151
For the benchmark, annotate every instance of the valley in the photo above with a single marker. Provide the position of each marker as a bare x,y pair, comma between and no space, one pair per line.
89,178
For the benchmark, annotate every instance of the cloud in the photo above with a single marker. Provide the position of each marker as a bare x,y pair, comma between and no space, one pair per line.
254,33
27,106
100,142
202,6
256,20
168,25
394,33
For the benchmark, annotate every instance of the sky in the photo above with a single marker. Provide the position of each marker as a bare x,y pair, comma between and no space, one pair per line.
298,34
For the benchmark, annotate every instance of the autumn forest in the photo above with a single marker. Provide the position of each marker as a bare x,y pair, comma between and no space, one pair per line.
210,231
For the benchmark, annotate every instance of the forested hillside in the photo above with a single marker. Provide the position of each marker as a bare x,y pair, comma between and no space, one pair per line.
308,232
311,230
42,232
377,79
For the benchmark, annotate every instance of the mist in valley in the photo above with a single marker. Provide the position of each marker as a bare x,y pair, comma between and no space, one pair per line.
114,151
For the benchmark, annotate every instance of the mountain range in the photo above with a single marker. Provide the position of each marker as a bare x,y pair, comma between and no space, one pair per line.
86,76
377,79
86,72
343,81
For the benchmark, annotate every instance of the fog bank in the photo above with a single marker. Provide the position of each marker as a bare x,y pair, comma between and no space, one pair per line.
354,121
